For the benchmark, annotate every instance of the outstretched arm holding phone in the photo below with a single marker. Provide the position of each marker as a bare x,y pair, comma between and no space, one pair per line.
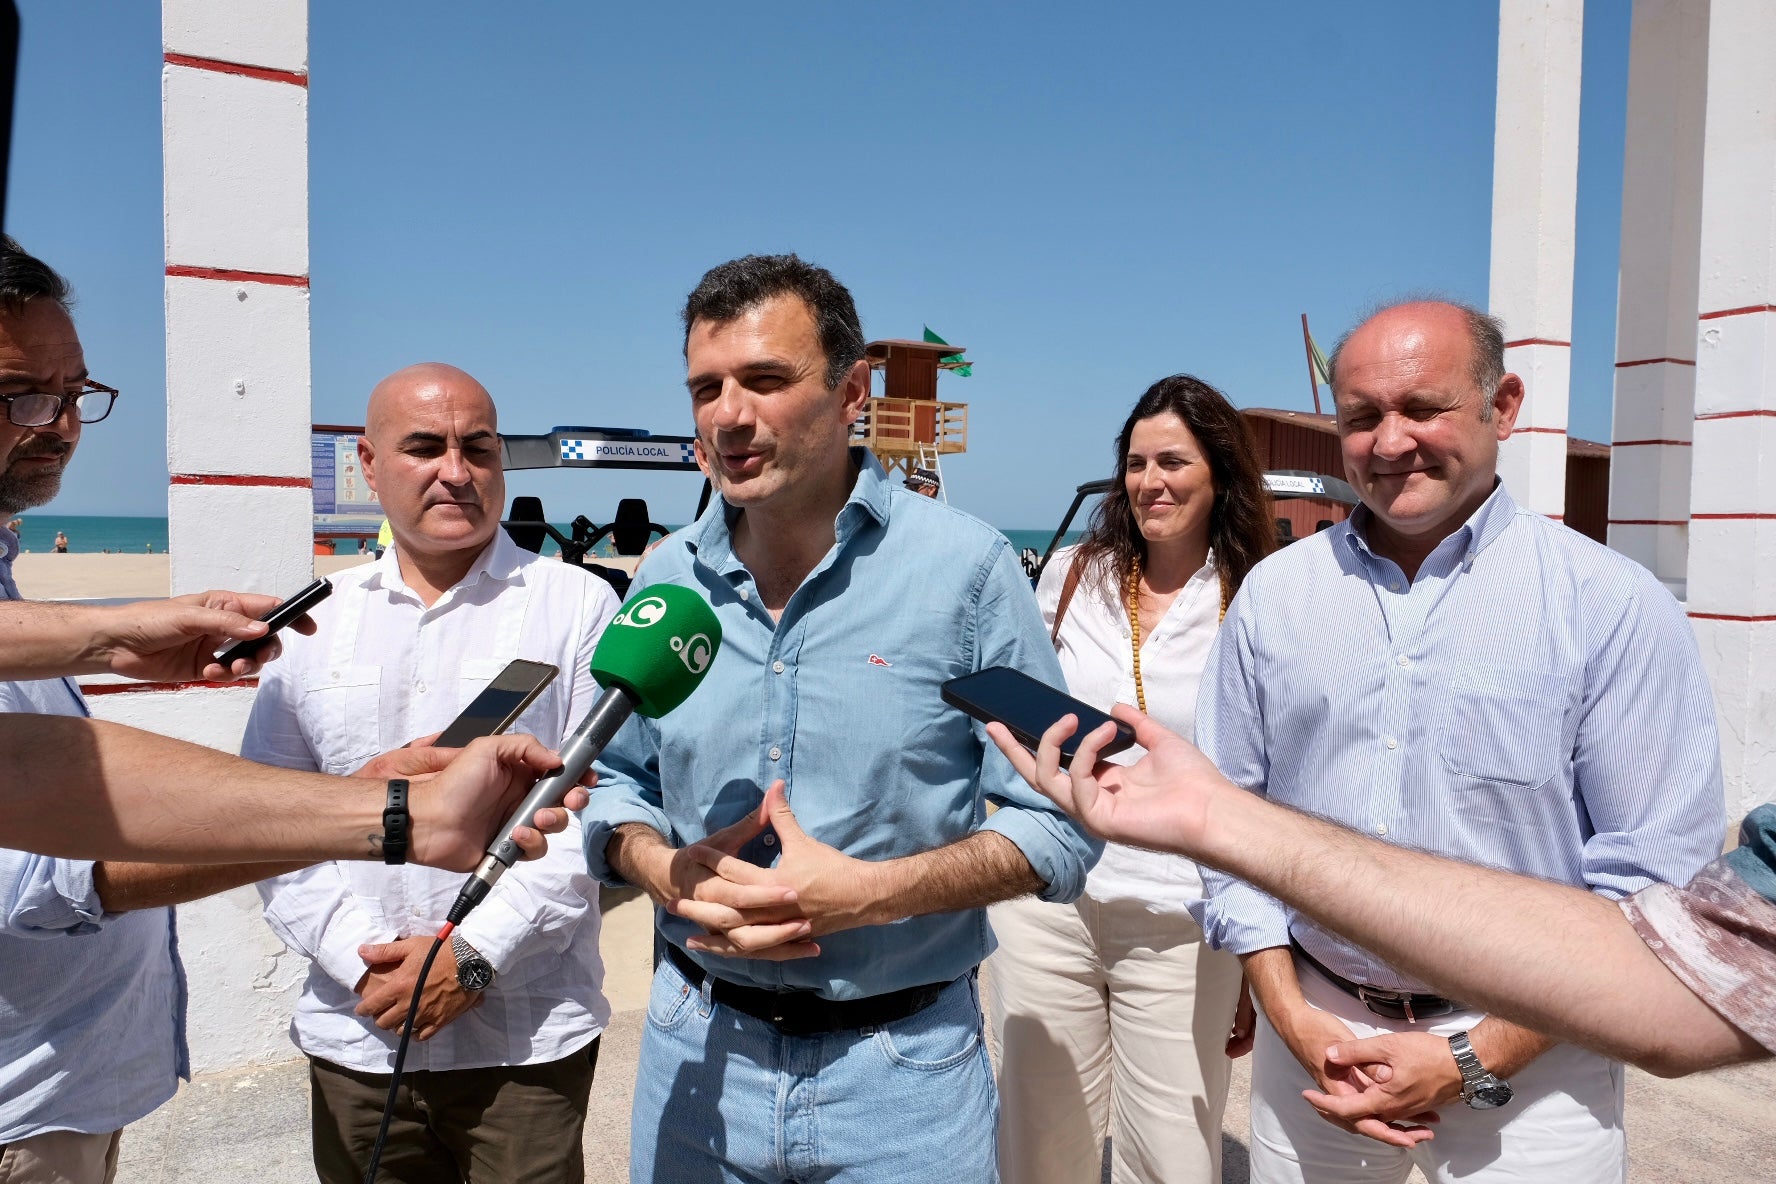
1556,959
85,789
160,640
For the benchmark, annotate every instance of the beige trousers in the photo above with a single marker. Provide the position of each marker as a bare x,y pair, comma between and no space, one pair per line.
1109,1020
60,1157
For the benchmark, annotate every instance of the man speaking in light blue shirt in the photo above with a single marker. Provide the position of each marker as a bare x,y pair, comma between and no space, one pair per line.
1451,672
815,1015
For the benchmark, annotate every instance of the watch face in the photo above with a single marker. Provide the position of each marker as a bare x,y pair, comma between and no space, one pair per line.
475,975
1490,1094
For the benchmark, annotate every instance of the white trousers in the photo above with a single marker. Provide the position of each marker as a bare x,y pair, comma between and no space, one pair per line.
1562,1126
1108,1019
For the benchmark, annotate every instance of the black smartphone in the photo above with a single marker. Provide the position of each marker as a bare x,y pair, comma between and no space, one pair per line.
1029,708
500,703
285,612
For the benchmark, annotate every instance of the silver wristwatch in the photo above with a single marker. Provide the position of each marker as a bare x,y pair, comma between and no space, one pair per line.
473,972
1481,1090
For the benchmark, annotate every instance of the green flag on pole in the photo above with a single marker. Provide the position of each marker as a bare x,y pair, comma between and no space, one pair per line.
964,370
1322,371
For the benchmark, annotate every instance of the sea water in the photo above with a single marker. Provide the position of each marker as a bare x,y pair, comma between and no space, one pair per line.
90,534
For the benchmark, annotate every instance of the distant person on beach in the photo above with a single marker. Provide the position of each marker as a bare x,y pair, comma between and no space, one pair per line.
924,482
1452,672
507,1032
61,543
816,1013
1117,999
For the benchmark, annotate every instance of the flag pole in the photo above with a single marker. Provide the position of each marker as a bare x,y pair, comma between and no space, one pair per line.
1313,380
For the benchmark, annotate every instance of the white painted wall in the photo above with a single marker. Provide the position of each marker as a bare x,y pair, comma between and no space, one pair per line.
235,152
1535,171
1732,554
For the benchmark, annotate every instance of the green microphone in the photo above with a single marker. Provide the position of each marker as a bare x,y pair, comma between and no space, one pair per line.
653,654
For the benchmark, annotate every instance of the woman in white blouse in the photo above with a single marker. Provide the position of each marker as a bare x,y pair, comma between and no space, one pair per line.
1112,1015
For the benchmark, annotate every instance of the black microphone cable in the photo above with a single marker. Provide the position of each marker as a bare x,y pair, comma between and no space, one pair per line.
388,1107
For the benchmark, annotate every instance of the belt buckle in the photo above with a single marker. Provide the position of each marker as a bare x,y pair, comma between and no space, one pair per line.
1401,999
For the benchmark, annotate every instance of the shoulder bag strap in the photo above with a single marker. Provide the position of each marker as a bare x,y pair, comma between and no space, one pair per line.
1068,587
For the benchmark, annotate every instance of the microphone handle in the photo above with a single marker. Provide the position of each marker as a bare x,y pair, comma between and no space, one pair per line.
582,745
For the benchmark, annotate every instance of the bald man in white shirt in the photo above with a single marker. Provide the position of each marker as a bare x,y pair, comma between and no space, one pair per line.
499,1072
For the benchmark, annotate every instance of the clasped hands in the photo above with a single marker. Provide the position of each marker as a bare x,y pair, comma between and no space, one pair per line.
774,913
1368,1086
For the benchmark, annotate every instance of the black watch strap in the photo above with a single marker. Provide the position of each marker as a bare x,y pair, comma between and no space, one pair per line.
395,823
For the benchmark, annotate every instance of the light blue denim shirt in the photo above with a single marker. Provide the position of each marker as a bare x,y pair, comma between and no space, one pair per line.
840,699
1531,701
92,1005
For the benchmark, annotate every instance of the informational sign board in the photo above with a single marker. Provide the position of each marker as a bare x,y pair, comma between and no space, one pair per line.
344,503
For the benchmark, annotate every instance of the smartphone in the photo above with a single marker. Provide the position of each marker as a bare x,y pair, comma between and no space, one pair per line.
285,612
1029,708
500,703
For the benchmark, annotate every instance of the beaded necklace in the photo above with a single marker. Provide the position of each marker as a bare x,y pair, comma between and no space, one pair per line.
1134,610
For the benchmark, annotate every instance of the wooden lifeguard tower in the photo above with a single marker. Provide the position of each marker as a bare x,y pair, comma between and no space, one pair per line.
906,426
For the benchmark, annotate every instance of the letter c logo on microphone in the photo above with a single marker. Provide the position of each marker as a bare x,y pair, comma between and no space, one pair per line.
694,651
642,613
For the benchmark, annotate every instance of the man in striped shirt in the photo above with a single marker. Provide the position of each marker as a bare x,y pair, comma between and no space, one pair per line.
1450,672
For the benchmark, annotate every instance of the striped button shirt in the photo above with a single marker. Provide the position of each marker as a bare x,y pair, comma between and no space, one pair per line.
1531,700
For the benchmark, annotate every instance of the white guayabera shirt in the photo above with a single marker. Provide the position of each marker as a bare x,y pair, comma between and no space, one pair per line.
382,670
1097,656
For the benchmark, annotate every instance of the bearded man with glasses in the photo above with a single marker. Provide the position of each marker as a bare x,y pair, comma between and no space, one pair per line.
92,1001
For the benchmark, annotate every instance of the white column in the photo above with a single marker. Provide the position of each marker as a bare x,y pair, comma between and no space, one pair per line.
1732,561
234,126
1535,177
1655,391
235,138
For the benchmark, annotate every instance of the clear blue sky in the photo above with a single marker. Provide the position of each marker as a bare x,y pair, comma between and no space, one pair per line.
1088,202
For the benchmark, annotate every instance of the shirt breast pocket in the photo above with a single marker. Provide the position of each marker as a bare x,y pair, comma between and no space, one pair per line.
1503,728
342,706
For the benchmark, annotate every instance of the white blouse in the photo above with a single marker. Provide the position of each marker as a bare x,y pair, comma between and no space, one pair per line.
1098,662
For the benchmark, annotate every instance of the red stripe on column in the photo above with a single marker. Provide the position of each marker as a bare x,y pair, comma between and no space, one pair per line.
1727,617
237,277
1737,312
1655,362
1748,517
1537,341
1553,431
238,479
120,688
263,73
1640,443
1735,415
1648,522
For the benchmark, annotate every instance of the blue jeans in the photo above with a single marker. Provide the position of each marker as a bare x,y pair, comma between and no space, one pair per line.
723,1098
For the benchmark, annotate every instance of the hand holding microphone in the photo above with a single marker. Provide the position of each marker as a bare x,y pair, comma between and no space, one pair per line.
653,654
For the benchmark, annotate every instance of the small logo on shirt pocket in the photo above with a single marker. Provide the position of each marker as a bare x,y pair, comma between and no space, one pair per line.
879,660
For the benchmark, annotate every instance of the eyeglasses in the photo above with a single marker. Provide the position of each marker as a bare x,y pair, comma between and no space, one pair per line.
34,409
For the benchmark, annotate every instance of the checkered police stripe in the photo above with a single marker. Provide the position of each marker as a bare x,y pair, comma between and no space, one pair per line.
573,450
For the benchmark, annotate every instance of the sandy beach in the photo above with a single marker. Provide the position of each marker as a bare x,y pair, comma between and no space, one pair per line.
49,576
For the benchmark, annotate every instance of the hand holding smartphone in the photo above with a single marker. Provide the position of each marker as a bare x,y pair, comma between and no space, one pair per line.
285,612
1028,708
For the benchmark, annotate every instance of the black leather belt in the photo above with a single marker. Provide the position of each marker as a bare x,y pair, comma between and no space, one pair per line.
805,1013
1395,1005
